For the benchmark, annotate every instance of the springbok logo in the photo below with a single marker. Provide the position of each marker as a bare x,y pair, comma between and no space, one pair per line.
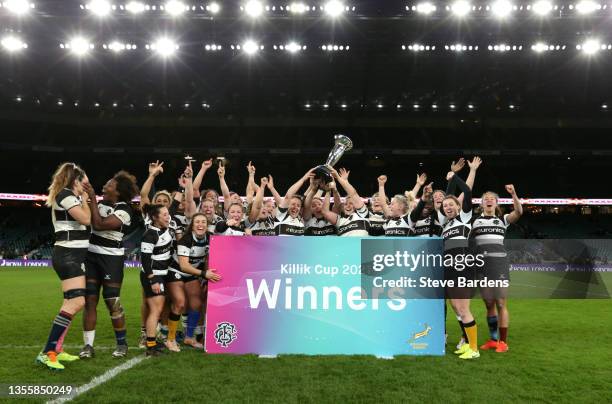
225,334
418,335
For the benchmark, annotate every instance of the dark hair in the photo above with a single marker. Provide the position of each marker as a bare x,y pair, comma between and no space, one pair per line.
153,210
126,186
189,228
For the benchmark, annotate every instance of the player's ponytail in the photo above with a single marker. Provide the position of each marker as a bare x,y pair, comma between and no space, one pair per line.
64,177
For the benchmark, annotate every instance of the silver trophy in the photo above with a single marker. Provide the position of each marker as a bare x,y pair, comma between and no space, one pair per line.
342,144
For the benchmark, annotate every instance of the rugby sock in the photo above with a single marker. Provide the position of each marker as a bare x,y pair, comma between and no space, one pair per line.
492,321
192,321
151,343
463,334
184,321
164,330
173,320
60,324
472,334
88,337
143,329
503,334
60,343
120,337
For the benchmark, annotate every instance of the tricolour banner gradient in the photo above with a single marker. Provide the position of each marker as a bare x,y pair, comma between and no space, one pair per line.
302,295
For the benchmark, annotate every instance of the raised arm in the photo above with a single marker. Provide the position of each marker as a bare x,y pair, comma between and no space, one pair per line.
197,181
310,193
467,199
474,164
342,179
189,203
330,216
415,214
154,170
420,181
516,214
258,201
337,200
224,189
382,195
251,187
295,188
275,194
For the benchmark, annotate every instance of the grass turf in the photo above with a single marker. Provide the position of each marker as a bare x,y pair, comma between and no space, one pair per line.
560,351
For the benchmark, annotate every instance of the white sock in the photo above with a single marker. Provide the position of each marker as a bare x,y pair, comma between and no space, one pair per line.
88,337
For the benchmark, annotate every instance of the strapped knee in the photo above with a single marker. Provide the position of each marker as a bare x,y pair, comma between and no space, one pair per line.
74,293
92,288
113,302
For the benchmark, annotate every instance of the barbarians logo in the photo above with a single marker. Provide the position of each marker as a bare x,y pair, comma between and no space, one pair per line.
225,334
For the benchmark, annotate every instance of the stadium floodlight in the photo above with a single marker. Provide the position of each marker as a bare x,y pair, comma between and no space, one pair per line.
587,6
135,7
542,7
13,43
501,8
175,8
461,8
298,8
539,47
254,8
213,8
590,46
164,47
101,8
117,46
19,7
79,46
334,8
293,47
425,8
250,47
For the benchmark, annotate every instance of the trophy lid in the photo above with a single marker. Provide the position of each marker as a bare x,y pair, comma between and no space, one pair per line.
344,140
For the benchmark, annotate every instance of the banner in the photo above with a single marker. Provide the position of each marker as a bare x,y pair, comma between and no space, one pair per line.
303,295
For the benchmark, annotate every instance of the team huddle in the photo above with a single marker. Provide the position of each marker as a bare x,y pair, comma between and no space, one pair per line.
89,251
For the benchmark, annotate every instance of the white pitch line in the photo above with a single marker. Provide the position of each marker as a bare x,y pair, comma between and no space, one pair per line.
101,347
98,380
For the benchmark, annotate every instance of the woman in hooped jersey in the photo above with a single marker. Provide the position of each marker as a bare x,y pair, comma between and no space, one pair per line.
288,218
315,222
353,221
185,272
397,224
455,218
237,224
488,234
70,215
111,219
156,251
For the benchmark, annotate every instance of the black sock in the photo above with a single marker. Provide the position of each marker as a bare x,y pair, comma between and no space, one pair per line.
492,322
60,324
463,334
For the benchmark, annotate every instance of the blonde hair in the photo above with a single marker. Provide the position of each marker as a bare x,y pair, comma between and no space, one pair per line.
64,177
162,192
403,200
498,211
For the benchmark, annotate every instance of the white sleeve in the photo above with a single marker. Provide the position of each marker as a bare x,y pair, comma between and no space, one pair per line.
465,216
123,216
69,202
505,220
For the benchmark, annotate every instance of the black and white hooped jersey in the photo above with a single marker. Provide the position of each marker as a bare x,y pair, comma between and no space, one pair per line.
286,225
488,234
110,242
263,227
397,226
377,223
222,229
156,251
422,227
319,227
455,231
213,222
194,248
354,225
69,232
178,220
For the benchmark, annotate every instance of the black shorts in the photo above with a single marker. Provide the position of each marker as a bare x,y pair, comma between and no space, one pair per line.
176,277
146,285
454,274
497,269
104,268
68,263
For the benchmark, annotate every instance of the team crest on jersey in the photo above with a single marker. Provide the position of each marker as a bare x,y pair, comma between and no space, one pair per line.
225,334
496,221
177,275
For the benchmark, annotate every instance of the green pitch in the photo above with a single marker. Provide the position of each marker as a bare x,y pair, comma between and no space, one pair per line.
560,351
